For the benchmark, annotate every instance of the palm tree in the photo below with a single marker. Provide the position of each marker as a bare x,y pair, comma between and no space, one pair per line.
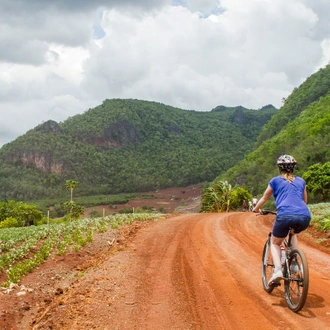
70,185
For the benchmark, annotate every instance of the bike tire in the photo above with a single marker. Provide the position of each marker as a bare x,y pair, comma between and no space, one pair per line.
267,267
296,281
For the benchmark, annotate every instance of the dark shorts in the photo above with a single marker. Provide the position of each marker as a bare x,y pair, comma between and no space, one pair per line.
284,222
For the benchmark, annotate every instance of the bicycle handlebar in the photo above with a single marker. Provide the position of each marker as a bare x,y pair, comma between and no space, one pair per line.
265,212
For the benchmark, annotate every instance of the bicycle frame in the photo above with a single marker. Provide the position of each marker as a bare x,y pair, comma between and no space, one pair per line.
288,248
295,272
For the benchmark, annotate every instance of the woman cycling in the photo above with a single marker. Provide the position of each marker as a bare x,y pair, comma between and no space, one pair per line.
290,196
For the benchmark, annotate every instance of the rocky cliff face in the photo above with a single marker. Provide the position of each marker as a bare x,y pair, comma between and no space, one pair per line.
49,126
39,161
118,134
121,132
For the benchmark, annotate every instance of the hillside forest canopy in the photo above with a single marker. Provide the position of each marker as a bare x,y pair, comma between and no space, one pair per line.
300,128
125,146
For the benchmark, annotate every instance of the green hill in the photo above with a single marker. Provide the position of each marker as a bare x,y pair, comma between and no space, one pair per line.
315,87
300,128
128,146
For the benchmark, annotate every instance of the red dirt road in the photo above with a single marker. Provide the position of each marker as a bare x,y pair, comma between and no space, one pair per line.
191,271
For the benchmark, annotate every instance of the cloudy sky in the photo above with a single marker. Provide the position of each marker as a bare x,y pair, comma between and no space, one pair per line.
59,58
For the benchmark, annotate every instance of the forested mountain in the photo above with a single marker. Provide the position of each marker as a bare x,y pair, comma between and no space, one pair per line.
300,128
315,87
128,146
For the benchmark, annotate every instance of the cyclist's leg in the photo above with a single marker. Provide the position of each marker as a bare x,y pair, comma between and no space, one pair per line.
276,251
294,241
279,232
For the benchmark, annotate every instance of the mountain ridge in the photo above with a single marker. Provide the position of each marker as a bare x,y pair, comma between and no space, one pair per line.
126,145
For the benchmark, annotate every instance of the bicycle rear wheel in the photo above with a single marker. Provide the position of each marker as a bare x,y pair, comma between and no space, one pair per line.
267,267
296,280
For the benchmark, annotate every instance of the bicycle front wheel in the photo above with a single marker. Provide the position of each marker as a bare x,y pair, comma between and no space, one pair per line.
267,267
296,280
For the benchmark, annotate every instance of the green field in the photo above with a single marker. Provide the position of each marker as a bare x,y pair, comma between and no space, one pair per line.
25,248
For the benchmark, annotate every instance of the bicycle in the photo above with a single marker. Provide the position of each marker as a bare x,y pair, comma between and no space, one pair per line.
294,268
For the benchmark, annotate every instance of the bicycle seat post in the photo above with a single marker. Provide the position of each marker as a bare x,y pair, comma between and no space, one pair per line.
289,245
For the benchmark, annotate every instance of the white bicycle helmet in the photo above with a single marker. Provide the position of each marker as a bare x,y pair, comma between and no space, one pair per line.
286,162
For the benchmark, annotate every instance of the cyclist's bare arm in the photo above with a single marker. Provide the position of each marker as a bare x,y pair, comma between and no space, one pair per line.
305,195
268,192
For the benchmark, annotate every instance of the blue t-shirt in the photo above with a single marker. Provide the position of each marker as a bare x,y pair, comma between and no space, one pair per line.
289,196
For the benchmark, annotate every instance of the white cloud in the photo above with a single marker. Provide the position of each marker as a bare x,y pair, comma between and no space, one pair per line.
22,116
60,58
67,62
177,55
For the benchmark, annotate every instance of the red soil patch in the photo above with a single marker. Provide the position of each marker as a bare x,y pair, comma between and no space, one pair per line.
170,200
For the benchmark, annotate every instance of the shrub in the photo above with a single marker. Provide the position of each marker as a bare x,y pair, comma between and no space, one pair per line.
9,223
95,214
125,210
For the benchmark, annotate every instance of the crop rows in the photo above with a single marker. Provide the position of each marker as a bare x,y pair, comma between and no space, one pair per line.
24,249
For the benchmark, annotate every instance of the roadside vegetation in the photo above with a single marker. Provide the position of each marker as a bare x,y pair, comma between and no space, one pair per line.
321,216
220,197
23,249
